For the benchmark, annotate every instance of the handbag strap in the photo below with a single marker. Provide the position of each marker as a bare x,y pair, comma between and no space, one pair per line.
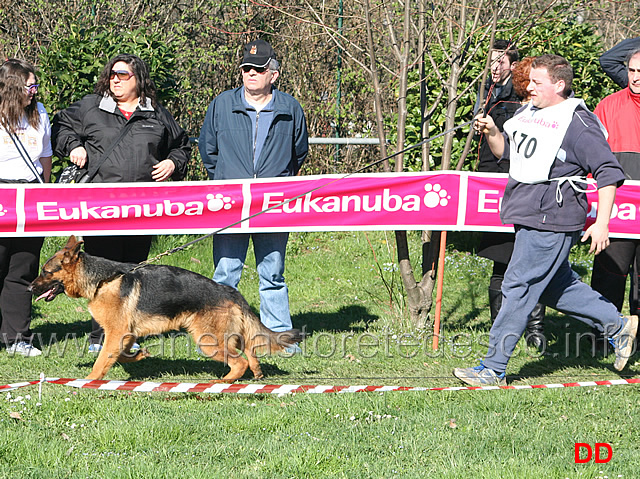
109,150
25,156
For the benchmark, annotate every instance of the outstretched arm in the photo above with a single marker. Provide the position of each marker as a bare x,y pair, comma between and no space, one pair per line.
495,140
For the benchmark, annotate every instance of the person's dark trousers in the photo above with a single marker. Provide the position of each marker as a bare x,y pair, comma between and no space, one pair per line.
126,249
609,277
19,263
611,267
634,294
534,334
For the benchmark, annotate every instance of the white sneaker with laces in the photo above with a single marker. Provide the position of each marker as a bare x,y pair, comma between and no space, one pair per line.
24,349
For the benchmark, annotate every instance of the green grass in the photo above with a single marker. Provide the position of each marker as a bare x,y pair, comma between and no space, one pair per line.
358,334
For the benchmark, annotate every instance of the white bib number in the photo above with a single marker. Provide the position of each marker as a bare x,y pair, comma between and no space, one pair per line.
535,136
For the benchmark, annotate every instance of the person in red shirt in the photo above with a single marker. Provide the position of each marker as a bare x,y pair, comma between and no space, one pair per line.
620,114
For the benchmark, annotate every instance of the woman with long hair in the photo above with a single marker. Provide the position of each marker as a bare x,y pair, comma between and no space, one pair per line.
25,157
120,133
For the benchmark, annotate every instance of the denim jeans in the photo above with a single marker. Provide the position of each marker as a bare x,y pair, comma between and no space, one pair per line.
539,271
229,254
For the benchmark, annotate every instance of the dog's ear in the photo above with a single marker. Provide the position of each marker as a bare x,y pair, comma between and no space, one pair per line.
71,242
73,246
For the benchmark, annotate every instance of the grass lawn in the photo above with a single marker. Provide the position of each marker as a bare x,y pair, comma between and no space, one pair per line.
347,295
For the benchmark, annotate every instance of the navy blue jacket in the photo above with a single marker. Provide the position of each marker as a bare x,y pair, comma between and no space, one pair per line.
613,61
535,205
226,144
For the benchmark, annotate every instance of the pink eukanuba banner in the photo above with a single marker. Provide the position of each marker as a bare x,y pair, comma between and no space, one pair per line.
408,201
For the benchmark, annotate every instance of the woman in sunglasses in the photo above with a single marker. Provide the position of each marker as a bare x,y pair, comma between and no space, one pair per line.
120,133
25,157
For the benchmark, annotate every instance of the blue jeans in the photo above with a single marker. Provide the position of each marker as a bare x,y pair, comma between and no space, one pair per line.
229,254
539,271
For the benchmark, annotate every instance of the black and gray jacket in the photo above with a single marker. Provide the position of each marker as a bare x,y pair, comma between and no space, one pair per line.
95,122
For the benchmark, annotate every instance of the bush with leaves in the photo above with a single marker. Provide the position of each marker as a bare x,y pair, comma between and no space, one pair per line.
70,65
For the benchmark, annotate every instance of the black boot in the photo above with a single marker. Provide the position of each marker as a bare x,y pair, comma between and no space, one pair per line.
534,333
495,301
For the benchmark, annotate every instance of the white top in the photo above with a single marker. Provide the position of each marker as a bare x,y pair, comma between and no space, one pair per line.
37,142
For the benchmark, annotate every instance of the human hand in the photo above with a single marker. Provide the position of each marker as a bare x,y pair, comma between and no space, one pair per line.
163,170
484,124
78,156
599,234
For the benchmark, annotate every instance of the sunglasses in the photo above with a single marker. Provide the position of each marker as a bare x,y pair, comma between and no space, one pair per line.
248,68
31,88
121,74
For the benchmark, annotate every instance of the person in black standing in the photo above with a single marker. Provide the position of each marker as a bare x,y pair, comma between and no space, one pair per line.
120,133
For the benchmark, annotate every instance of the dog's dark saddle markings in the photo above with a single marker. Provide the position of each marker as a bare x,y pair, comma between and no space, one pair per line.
131,302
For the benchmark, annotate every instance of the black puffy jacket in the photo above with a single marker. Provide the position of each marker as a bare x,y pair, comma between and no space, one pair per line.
95,122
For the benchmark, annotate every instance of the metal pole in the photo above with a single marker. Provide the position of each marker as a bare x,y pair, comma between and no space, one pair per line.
339,81
344,141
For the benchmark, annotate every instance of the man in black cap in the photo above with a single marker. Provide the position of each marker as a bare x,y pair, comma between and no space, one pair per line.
255,131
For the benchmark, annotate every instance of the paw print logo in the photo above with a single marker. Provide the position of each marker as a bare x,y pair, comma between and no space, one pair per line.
3,210
219,202
436,196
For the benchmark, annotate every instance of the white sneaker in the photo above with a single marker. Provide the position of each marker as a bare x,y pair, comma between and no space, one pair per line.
24,349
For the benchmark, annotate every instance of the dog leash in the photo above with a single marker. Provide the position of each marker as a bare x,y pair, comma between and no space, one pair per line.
279,205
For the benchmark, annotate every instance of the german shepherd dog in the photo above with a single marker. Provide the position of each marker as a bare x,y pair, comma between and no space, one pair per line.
131,301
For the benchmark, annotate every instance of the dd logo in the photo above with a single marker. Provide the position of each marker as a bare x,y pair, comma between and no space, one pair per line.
598,446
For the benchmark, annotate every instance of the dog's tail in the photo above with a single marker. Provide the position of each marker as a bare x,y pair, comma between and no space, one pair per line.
261,340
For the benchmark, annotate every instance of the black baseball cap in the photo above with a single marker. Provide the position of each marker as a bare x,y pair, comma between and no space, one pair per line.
257,53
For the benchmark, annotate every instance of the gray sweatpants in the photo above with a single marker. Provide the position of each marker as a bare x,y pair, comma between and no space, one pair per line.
539,271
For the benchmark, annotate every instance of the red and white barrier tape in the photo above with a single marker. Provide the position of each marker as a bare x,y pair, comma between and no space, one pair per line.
11,387
147,386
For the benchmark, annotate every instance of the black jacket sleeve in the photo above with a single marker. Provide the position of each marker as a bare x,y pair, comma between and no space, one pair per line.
179,145
67,129
613,61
